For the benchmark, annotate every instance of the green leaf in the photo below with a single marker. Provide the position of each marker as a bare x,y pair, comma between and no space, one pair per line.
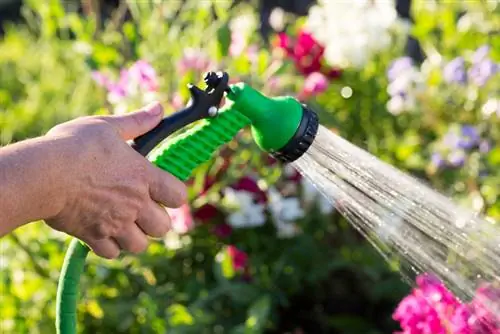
179,315
221,9
223,40
494,156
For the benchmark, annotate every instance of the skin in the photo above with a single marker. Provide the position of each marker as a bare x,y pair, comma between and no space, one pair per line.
83,179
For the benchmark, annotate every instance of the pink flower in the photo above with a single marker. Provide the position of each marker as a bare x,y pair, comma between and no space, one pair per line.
428,309
182,220
177,101
194,59
416,316
101,79
460,321
486,309
238,44
141,76
239,258
314,84
145,75
432,308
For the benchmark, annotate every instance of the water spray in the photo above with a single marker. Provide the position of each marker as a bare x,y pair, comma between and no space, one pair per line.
281,126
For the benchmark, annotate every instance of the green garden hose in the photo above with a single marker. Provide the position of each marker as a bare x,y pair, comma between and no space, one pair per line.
280,126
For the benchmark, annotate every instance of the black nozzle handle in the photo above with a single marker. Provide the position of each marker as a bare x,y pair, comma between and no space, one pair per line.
203,104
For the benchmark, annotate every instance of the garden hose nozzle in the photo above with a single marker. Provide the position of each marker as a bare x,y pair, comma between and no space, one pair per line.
281,126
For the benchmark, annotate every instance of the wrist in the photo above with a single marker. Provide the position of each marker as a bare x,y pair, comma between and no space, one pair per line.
33,179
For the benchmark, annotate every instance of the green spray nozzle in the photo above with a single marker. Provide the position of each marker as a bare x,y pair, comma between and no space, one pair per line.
281,126
274,121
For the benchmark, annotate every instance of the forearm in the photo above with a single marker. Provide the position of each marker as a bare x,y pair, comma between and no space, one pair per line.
30,181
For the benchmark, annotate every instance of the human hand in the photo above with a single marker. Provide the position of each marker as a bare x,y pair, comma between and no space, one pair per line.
110,193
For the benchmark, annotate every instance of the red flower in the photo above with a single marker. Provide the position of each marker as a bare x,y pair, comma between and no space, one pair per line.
248,184
239,258
223,230
206,213
270,160
294,176
307,54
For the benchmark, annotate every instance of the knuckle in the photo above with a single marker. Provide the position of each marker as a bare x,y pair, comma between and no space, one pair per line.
141,174
119,216
179,196
182,194
160,230
101,231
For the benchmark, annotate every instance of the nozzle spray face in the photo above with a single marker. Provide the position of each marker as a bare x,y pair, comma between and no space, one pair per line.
281,126
301,140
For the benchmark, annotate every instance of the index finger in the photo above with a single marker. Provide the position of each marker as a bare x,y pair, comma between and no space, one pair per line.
166,189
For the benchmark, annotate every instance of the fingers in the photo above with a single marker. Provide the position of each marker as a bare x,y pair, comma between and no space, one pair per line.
106,248
154,220
166,188
132,239
137,123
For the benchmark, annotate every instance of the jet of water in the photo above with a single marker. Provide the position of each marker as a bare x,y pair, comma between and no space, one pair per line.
404,218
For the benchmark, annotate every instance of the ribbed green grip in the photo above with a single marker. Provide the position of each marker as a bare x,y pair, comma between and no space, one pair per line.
68,288
182,154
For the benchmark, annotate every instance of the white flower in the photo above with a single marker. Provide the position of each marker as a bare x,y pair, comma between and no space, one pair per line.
408,79
403,90
277,19
172,241
246,212
490,107
149,97
286,230
289,170
82,48
245,24
352,31
285,211
399,104
175,241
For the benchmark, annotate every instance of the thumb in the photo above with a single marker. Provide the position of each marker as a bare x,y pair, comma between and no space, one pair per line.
139,122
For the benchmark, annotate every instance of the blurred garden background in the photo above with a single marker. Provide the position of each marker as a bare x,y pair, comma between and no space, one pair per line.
257,250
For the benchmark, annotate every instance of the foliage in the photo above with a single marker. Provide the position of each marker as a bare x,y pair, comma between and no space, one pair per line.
265,252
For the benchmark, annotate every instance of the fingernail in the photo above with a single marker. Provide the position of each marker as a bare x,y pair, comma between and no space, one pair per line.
154,108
